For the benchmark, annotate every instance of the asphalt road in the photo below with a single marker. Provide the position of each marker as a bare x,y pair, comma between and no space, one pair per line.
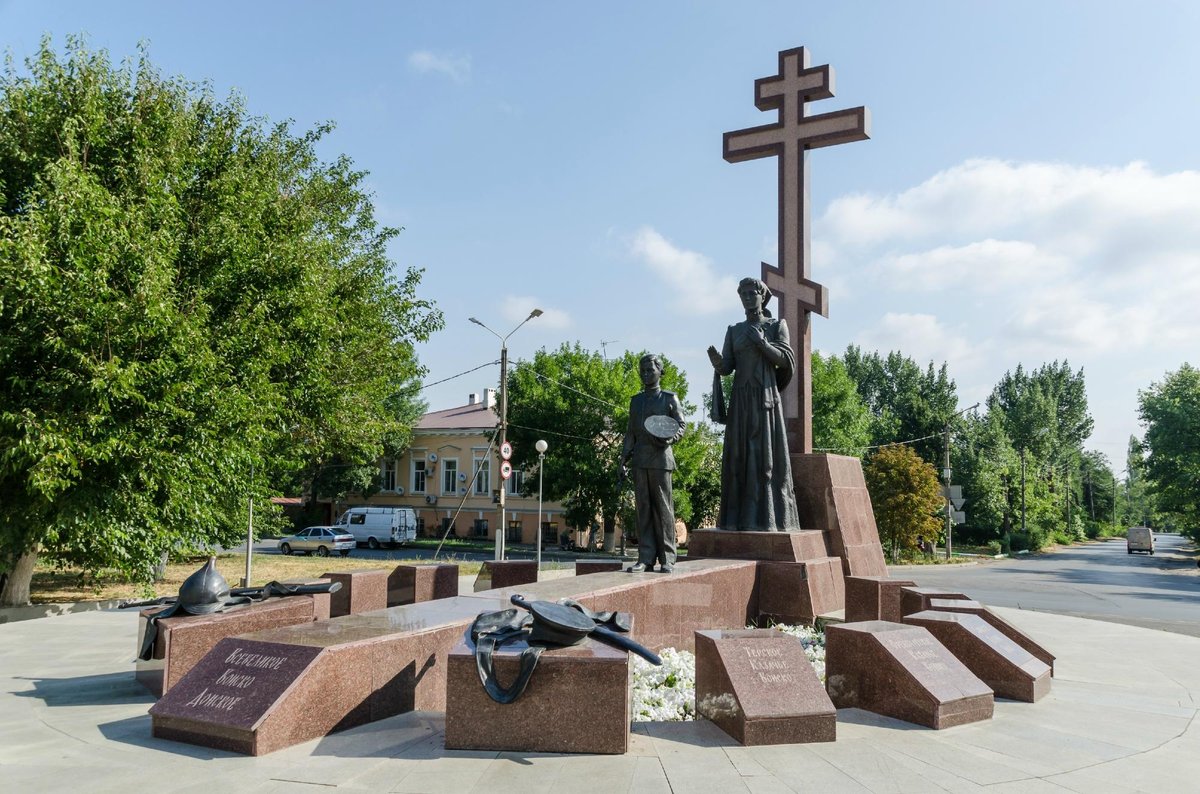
1097,580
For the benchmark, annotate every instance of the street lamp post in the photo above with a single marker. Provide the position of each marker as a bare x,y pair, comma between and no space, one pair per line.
503,416
541,447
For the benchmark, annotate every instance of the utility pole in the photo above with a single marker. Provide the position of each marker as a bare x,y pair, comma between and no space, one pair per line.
946,472
503,528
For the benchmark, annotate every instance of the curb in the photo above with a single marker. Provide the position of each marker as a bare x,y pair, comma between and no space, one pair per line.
35,611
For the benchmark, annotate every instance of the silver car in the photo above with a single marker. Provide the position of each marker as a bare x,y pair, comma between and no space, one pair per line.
319,541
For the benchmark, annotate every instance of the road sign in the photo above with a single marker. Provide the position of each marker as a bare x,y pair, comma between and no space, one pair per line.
952,492
506,451
959,517
958,503
505,470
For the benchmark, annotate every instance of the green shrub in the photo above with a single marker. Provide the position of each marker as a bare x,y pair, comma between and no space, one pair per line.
994,546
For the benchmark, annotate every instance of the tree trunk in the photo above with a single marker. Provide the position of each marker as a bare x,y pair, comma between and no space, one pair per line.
15,592
610,534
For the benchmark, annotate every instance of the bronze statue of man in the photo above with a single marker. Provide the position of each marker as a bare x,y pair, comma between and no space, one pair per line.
757,493
647,449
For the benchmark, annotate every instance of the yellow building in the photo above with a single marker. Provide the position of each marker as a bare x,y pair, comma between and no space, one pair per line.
448,472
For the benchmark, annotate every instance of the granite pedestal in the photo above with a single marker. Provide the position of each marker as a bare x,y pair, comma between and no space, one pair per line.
184,640
378,664
759,687
410,584
1010,670
808,544
362,591
577,701
903,672
874,598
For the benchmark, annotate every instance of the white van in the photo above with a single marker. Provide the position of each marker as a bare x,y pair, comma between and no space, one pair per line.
1139,539
380,526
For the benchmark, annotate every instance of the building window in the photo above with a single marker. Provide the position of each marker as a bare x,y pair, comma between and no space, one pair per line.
515,482
482,466
420,527
449,475
418,472
387,476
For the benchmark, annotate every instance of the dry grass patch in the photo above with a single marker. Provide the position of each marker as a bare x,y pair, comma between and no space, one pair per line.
51,586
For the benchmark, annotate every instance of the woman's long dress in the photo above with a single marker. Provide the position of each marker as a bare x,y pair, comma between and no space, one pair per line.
757,493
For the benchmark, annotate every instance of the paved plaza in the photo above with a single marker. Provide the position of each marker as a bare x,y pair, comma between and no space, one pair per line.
1120,717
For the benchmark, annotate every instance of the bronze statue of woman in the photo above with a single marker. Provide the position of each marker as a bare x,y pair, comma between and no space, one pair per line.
757,493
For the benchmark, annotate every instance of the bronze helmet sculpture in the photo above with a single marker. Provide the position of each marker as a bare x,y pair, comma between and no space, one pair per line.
205,591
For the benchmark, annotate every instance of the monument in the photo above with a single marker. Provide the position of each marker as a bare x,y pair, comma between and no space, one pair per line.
824,495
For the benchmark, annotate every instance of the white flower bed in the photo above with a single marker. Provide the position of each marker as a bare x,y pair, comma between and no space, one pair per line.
668,693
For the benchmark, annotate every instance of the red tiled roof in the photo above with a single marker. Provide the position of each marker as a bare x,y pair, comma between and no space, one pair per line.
464,417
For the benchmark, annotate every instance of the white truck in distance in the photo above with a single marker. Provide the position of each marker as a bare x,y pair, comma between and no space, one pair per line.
380,526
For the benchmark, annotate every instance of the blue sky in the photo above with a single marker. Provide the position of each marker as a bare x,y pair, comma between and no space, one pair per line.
1030,191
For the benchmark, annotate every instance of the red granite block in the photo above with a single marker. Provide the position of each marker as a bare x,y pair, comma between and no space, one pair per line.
759,687
1010,670
496,574
409,584
1000,624
184,640
584,567
724,544
797,592
902,672
874,598
916,599
577,701
362,591
381,663
831,495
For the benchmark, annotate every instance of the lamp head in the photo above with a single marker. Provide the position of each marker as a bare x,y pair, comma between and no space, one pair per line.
541,446
472,319
534,313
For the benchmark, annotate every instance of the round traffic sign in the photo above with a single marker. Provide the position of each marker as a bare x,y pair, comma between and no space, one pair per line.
505,470
506,451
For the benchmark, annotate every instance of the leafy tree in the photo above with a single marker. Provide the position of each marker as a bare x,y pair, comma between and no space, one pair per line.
697,480
986,465
580,403
841,422
905,401
1170,410
906,497
192,307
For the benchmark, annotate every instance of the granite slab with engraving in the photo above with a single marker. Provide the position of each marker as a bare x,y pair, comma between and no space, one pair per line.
577,701
759,687
226,698
184,640
1010,670
903,672
874,598
1000,624
410,584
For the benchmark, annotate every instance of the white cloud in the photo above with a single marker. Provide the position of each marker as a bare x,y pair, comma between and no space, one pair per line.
990,263
921,337
455,66
517,307
692,281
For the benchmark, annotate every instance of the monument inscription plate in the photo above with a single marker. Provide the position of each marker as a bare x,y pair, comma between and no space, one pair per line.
903,672
759,687
229,692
